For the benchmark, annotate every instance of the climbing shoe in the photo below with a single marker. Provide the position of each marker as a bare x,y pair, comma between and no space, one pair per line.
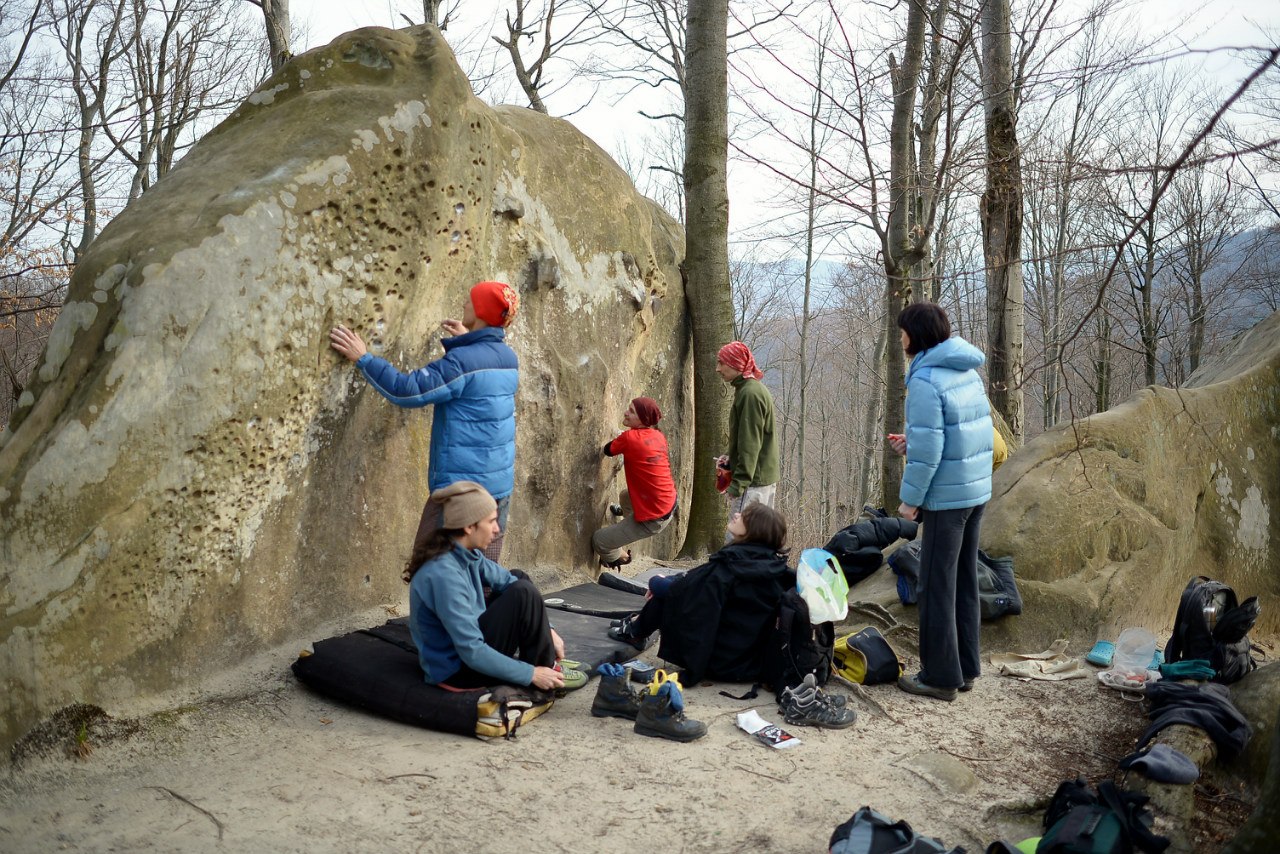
625,631
615,697
573,679
808,705
661,713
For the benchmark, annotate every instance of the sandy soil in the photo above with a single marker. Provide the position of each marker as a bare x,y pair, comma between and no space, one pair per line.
259,763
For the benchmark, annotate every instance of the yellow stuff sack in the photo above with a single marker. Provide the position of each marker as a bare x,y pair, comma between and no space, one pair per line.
866,658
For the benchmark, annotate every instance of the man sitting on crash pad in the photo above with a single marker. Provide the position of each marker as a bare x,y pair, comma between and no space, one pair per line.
474,623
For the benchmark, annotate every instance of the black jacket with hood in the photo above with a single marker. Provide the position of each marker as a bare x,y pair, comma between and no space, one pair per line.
717,619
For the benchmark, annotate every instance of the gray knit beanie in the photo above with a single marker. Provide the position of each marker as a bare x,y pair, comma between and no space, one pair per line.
463,503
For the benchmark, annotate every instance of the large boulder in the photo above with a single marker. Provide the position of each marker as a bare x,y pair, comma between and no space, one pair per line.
194,476
1107,518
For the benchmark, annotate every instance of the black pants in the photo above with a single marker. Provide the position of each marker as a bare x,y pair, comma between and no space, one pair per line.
649,620
950,614
515,623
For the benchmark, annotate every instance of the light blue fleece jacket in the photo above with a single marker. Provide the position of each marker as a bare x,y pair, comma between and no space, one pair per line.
446,599
949,430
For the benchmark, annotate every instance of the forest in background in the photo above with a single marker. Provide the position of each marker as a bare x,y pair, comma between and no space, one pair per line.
1138,167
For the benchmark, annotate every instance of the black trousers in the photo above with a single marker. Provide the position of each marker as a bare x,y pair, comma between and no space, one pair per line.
649,620
515,623
950,615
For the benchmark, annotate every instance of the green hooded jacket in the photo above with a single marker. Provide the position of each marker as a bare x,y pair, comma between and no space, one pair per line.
753,445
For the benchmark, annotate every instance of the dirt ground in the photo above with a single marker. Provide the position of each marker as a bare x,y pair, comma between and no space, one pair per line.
260,763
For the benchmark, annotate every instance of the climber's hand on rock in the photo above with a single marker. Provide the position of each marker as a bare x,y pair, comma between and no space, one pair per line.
346,342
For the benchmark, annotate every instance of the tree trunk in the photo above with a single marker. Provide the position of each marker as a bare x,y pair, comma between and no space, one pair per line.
1102,364
275,15
431,12
1001,212
871,426
710,305
901,246
812,213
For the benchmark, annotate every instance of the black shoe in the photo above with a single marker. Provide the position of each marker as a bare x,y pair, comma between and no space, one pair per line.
625,631
913,685
967,686
620,562
659,718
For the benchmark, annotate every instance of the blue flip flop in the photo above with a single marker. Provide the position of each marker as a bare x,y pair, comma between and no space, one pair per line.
1101,654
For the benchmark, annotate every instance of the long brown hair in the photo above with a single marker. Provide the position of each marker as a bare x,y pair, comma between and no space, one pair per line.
765,526
429,546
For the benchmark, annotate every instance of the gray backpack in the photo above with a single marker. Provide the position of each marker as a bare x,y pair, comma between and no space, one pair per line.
869,832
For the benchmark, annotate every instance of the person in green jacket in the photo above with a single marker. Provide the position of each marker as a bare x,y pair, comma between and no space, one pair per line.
752,461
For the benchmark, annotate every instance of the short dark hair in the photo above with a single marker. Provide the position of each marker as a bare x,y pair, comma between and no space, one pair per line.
926,325
765,526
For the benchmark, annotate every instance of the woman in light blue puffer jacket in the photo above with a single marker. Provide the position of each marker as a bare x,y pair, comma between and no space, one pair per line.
946,485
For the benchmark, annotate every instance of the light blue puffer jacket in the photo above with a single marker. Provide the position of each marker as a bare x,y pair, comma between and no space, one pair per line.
473,428
949,431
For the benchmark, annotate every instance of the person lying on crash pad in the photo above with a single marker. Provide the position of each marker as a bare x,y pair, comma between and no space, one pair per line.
474,623
715,619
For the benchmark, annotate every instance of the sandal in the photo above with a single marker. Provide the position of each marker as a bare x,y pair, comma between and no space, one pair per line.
1101,654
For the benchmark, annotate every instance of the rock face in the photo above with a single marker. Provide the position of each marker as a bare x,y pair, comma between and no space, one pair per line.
1108,519
194,476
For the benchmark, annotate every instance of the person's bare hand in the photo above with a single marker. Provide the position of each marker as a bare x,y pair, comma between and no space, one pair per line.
906,511
453,327
557,643
547,678
898,442
346,342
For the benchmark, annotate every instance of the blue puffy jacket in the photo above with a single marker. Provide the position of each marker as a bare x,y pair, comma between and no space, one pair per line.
473,387
949,431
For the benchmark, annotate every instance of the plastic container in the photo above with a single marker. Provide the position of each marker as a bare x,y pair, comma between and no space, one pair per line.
1134,650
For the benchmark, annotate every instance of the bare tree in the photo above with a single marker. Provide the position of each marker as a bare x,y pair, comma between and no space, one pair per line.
187,62
1001,212
95,35
707,251
525,22
279,31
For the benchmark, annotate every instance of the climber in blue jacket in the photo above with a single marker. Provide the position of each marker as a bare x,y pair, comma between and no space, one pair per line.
473,389
945,487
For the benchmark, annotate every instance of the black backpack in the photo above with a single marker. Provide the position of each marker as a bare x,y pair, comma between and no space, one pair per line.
1080,821
998,594
795,647
1224,643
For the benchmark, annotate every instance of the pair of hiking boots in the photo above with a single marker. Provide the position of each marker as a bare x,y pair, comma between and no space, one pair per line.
658,709
808,705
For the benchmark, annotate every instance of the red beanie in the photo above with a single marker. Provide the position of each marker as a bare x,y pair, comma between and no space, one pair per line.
495,303
647,410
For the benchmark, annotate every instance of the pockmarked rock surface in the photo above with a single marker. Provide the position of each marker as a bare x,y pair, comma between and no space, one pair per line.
1108,518
194,475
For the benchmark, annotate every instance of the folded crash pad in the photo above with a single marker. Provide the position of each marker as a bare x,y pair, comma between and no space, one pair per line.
596,600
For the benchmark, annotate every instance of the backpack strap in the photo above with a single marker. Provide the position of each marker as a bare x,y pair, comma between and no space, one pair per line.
1128,807
750,695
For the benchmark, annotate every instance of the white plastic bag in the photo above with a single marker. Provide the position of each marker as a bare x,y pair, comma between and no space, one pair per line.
822,586
1135,650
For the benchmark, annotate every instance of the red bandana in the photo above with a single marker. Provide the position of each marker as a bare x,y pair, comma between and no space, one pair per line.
738,356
